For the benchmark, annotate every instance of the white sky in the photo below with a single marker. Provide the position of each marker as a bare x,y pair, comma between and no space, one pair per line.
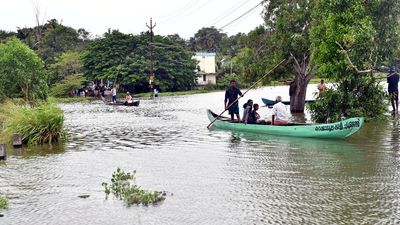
184,17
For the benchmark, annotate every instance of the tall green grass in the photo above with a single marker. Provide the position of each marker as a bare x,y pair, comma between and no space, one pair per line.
38,125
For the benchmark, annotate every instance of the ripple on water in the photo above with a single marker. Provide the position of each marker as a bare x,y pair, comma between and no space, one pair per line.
216,177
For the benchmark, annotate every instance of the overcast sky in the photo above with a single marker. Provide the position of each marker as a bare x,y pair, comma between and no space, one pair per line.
184,17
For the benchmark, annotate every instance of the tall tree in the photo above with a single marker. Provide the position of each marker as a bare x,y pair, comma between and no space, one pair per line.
347,47
56,39
125,58
252,59
387,24
289,24
6,34
207,39
21,71
68,63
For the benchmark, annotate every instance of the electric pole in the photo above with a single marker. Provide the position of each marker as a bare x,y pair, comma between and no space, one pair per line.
151,80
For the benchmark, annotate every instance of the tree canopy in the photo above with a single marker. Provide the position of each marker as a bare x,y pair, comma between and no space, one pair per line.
346,46
125,58
21,71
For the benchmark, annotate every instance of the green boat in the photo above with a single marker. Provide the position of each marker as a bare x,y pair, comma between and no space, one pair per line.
339,130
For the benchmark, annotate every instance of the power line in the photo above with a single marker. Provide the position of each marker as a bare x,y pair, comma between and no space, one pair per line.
187,13
229,12
179,11
248,11
245,16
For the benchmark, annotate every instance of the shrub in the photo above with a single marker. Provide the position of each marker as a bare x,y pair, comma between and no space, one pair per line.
363,97
130,193
38,125
65,86
3,202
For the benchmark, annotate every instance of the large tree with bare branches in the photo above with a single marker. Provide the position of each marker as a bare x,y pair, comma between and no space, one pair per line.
289,23
350,39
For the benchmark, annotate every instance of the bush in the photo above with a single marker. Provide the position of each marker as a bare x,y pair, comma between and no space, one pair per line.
22,72
3,202
358,98
63,88
130,193
38,125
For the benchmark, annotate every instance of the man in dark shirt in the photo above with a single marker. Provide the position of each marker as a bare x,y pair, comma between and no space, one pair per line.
231,95
393,89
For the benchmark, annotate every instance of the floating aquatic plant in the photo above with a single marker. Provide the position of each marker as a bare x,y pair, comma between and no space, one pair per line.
122,188
3,202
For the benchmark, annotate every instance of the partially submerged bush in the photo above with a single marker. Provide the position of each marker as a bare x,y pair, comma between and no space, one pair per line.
3,202
363,97
39,125
130,193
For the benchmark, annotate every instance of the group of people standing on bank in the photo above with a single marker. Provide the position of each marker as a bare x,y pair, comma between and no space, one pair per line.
250,114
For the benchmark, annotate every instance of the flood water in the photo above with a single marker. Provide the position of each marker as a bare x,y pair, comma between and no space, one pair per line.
211,176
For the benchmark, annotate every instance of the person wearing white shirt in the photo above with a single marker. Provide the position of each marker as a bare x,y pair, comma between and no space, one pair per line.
279,113
114,95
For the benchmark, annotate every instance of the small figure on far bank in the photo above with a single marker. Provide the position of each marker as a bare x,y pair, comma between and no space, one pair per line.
279,113
231,103
321,87
393,88
114,94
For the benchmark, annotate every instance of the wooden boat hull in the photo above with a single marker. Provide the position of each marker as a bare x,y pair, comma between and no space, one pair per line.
269,102
135,103
339,130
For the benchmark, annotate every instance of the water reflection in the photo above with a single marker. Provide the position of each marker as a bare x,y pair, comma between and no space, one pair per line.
32,151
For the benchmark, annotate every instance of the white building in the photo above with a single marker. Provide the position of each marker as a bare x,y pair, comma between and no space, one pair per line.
206,73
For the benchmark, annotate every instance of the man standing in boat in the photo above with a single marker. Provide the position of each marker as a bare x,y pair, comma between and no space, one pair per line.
393,88
231,103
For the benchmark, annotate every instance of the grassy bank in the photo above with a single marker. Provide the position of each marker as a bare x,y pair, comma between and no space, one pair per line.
37,125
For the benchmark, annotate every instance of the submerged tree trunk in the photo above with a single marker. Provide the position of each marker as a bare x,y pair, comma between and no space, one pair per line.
298,91
298,87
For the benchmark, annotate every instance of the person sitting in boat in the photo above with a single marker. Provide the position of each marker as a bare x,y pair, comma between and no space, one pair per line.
247,113
128,98
279,113
256,116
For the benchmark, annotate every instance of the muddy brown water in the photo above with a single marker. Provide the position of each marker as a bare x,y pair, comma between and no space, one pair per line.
211,176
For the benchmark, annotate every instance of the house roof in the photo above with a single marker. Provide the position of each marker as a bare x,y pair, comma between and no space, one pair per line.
205,53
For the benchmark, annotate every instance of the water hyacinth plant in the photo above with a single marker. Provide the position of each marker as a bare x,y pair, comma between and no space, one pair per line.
39,125
130,193
3,202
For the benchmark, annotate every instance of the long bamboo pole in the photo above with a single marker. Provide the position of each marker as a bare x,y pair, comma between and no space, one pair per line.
251,87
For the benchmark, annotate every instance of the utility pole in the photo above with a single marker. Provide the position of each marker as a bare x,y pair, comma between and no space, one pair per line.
151,80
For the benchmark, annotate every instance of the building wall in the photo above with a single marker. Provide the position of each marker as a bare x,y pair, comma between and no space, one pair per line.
204,79
206,61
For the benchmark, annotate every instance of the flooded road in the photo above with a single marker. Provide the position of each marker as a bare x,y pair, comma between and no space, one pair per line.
211,176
